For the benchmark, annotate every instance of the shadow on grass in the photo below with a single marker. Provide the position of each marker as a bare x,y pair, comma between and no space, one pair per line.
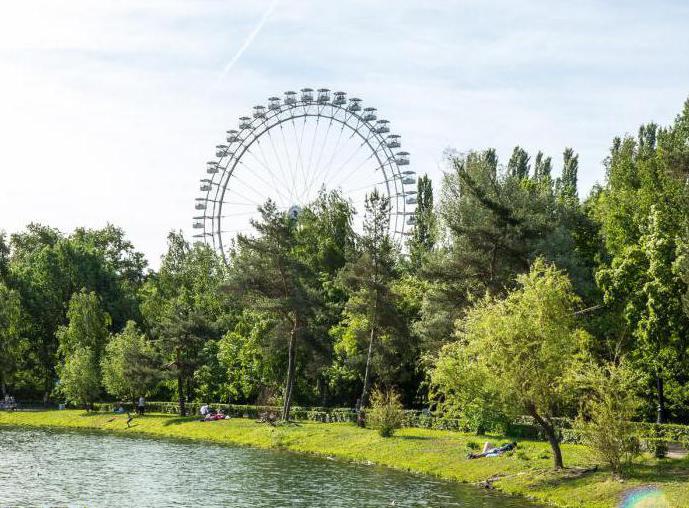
178,420
414,438
666,471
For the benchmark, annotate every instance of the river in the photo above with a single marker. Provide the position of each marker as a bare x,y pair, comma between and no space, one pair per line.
68,468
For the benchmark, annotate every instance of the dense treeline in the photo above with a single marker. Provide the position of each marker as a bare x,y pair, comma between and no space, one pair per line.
504,260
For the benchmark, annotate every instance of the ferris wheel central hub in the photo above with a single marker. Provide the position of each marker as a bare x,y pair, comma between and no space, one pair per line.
294,212
294,149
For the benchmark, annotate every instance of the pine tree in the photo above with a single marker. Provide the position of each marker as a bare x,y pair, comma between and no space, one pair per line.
370,313
269,275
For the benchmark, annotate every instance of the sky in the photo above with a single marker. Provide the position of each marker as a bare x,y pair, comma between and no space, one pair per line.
109,110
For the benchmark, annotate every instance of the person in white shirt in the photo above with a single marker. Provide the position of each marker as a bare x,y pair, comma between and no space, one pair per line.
205,410
140,406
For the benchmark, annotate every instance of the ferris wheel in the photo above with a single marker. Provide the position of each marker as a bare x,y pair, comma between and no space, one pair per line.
292,149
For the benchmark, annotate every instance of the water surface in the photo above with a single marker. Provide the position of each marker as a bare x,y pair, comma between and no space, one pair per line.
48,468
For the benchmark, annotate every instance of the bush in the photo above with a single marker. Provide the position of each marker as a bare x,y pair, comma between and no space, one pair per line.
604,424
386,412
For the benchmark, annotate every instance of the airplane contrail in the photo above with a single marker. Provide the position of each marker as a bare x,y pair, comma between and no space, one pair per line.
247,42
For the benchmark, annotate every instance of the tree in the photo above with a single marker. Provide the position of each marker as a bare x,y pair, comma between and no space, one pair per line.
325,241
4,257
11,343
520,348
47,268
87,325
269,276
647,278
248,358
642,210
424,232
130,365
80,379
370,316
567,183
497,224
519,166
81,345
183,308
542,167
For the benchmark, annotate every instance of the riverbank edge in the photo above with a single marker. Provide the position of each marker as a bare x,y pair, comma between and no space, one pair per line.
243,432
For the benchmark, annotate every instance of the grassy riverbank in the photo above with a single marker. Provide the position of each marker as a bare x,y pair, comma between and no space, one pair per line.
441,453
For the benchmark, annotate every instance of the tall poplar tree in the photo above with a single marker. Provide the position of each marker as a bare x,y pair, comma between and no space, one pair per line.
424,232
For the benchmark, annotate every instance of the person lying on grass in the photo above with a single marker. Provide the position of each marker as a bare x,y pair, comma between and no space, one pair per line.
491,451
215,415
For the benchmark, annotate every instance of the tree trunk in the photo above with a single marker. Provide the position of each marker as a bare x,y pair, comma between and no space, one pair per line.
549,431
660,388
180,386
4,388
289,382
363,402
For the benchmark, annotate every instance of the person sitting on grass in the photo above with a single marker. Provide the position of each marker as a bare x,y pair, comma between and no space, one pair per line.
490,451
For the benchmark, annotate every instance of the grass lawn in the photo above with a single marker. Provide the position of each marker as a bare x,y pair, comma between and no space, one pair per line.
526,471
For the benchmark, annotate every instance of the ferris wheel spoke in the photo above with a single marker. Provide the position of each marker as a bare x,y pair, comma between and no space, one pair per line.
356,169
238,214
240,203
309,167
329,169
282,171
256,174
264,163
297,141
320,156
260,195
351,156
291,177
369,186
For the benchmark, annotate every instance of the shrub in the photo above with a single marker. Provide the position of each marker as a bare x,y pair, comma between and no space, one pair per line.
604,424
386,413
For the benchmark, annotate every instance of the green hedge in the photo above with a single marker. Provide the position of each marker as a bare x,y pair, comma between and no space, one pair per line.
318,414
651,435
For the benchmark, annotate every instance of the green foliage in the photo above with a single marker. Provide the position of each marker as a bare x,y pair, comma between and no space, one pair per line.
80,377
182,307
81,345
497,222
514,353
385,413
425,232
245,355
518,166
269,275
131,367
87,327
12,345
567,183
605,420
371,335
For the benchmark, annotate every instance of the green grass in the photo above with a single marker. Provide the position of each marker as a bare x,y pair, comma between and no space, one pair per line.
526,472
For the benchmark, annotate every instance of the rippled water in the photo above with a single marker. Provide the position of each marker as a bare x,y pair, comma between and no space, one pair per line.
49,468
